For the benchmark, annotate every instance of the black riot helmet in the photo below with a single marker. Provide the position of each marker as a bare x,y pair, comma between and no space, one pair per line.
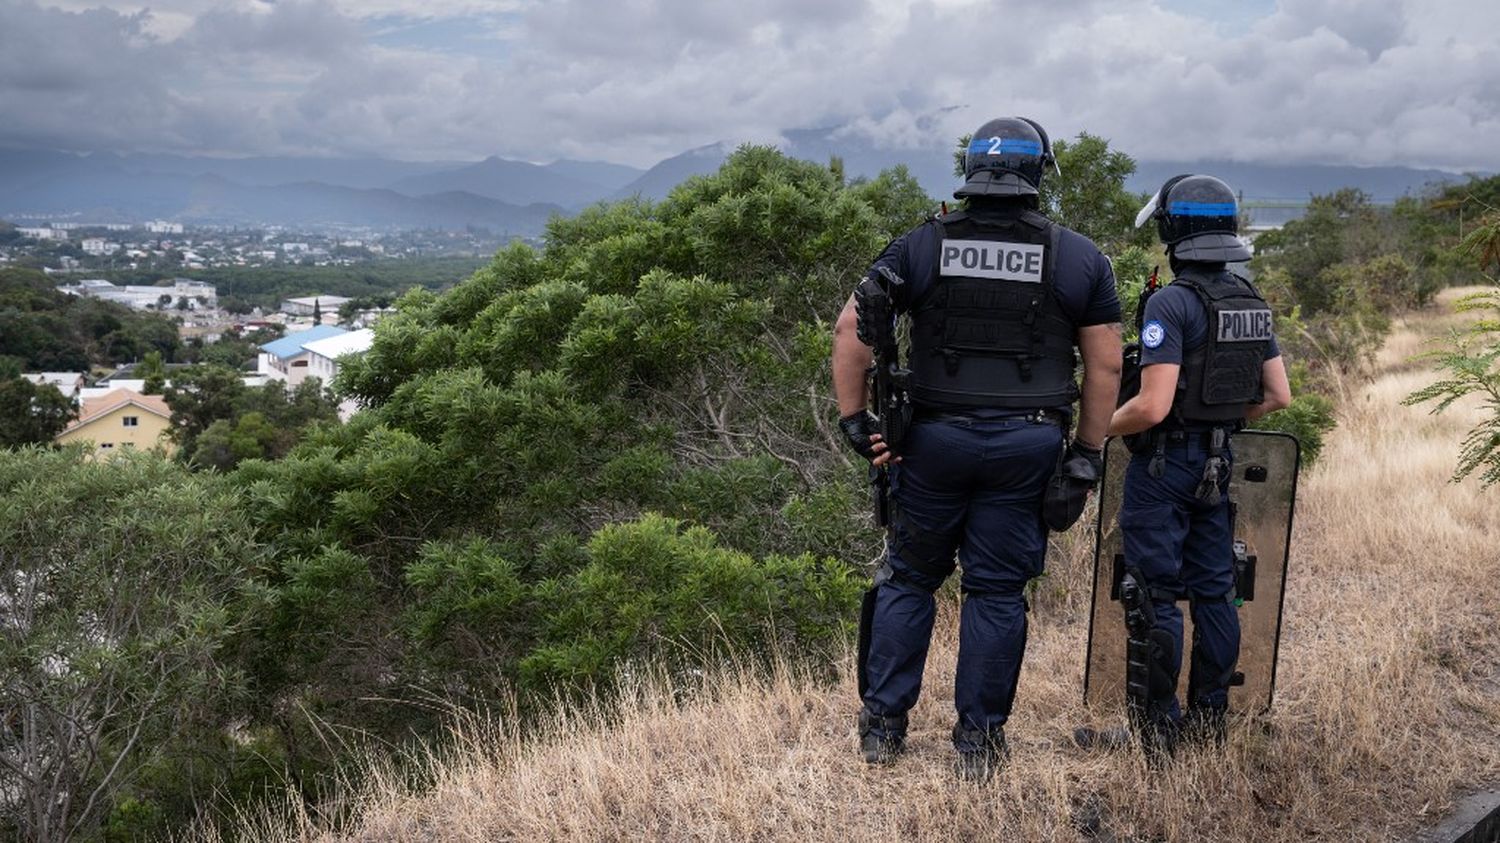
1006,157
1198,220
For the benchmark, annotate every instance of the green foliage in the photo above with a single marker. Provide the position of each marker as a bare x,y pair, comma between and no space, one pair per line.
217,421
1133,269
615,448
651,587
1471,361
153,372
31,414
50,331
1089,195
122,585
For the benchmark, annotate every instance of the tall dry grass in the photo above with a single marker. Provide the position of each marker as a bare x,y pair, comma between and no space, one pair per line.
1388,703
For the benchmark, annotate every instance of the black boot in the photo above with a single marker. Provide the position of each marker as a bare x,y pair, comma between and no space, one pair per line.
980,753
1156,731
1205,725
881,739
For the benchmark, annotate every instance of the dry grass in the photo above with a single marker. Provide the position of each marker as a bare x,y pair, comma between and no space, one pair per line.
1388,703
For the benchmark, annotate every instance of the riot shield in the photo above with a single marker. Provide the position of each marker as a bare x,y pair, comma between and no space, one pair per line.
1263,489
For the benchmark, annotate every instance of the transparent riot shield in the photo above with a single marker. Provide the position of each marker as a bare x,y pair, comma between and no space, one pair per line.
1263,490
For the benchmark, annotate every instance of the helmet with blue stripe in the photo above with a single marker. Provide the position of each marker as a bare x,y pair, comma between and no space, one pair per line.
1198,219
1006,157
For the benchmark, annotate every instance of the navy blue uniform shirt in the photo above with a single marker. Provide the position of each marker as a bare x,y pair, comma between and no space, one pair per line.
1084,285
1176,322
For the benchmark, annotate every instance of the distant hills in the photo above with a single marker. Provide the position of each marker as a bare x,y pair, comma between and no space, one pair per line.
507,196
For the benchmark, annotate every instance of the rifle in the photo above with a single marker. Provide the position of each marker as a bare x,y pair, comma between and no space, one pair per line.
889,402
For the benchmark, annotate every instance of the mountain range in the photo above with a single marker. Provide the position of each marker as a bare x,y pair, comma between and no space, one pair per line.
508,196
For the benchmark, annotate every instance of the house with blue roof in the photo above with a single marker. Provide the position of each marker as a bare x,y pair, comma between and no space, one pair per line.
287,359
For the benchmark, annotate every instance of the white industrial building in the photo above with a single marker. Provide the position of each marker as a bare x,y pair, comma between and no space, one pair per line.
43,233
199,295
304,305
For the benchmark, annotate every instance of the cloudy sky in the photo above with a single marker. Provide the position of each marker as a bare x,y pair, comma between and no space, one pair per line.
632,81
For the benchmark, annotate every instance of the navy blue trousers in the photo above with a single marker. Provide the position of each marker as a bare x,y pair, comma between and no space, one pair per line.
974,488
1182,544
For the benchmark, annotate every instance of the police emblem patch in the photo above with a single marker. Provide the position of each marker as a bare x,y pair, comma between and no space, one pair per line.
1153,334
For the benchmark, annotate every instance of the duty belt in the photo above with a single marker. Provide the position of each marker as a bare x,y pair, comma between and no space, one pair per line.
1054,417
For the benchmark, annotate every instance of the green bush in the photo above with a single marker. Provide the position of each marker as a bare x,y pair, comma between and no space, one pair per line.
124,585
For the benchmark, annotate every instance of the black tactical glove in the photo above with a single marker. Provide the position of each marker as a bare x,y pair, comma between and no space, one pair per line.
858,427
1093,456
1078,473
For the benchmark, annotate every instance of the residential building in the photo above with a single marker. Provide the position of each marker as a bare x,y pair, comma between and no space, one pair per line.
164,227
68,383
288,359
121,420
324,355
99,246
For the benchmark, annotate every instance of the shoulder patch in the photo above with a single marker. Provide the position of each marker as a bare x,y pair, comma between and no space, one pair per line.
1153,334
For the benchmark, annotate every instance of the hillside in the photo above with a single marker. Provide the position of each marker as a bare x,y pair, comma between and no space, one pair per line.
1390,671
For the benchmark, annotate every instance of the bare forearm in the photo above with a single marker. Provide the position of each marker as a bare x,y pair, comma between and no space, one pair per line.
1095,407
1100,347
851,359
1133,416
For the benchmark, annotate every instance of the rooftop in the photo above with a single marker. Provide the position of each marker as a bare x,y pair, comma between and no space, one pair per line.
110,401
353,342
292,345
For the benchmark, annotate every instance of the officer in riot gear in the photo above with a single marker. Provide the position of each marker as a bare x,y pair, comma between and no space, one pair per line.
1001,301
1209,363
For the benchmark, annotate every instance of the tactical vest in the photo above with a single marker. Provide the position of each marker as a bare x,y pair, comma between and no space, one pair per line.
988,332
1221,378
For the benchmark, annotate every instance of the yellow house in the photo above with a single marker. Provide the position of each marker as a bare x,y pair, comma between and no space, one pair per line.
121,420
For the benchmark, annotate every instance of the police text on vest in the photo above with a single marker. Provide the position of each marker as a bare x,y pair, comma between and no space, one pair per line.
993,259
1244,325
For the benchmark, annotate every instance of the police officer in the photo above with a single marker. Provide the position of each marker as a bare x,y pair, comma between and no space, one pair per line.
998,297
1209,363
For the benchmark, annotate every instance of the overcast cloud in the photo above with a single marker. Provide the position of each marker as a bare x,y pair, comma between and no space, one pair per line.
1308,81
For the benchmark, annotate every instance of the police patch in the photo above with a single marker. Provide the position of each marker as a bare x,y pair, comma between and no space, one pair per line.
1153,334
1244,325
993,259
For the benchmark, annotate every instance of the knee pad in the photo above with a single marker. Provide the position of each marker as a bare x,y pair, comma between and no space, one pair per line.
1164,670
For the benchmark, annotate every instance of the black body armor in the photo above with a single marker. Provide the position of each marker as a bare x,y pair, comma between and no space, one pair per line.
1221,378
988,333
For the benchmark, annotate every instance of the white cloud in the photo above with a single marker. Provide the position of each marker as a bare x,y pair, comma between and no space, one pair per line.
634,80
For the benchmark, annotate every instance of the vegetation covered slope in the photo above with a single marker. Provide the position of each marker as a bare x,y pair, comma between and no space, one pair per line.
1388,692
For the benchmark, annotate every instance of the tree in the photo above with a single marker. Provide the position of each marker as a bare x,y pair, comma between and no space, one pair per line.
228,442
637,409
153,372
31,414
120,581
1471,360
52,331
317,314
200,396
